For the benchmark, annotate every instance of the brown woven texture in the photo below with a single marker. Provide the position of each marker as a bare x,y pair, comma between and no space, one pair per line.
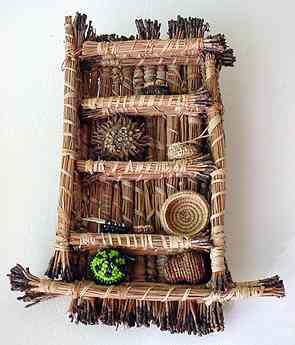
39,289
147,105
146,170
60,260
148,244
186,268
144,48
167,187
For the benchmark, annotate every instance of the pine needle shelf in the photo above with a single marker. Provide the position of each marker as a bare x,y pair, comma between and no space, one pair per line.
149,105
140,234
146,244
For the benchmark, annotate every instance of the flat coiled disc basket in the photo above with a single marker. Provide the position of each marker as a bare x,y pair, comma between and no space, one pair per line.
185,213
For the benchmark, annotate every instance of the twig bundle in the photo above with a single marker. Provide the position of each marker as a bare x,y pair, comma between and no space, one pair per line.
174,79
155,48
60,262
39,289
148,105
135,171
154,81
147,244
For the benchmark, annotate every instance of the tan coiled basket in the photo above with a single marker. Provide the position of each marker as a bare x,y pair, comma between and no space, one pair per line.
185,214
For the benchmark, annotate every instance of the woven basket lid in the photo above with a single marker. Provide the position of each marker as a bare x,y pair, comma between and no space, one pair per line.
185,214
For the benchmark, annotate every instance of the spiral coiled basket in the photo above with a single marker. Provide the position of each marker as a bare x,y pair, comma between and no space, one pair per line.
185,213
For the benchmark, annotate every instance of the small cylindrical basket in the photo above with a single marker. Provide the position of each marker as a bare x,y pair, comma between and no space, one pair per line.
182,151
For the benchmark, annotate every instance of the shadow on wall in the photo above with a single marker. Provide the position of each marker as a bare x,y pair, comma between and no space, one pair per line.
236,92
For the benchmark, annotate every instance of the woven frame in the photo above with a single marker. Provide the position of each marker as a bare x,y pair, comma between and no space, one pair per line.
184,167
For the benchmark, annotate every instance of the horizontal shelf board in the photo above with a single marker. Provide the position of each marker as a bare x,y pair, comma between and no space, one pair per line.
136,171
155,48
147,244
147,105
148,291
131,61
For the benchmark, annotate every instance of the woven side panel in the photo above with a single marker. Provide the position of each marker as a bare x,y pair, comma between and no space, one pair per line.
60,262
217,143
70,119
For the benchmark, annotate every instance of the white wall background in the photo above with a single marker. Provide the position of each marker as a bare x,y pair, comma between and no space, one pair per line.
260,121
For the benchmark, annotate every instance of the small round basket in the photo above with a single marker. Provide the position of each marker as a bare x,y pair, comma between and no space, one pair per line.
182,151
185,213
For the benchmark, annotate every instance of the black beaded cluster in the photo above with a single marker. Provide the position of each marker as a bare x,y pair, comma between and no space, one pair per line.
114,227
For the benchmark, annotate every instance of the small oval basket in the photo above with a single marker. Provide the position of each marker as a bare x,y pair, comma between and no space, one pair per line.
185,213
182,151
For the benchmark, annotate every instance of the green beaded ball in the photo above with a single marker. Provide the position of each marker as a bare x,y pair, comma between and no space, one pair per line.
108,266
